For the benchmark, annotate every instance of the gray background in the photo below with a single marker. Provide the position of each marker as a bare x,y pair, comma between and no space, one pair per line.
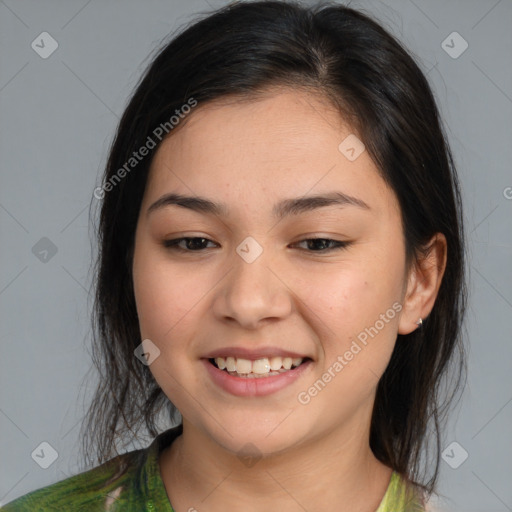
57,119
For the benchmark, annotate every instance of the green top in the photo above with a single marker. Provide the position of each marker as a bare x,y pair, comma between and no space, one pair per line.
141,487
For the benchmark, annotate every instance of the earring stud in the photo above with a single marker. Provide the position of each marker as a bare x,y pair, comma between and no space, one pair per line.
419,323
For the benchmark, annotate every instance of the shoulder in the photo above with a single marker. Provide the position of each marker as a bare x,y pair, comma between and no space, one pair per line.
95,489
401,496
130,481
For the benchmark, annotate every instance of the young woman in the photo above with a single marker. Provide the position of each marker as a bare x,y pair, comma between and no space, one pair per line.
280,274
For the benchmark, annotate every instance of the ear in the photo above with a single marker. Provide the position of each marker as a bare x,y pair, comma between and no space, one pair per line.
423,284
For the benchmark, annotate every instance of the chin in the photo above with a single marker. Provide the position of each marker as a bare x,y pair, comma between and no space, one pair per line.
255,439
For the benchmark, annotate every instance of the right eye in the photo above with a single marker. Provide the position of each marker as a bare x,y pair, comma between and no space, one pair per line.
192,244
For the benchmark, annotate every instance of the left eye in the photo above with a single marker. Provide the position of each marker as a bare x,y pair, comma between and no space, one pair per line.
315,242
195,244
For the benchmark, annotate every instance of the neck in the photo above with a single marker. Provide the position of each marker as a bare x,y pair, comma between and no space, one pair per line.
335,471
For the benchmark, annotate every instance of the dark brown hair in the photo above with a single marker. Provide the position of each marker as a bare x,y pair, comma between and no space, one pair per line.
350,59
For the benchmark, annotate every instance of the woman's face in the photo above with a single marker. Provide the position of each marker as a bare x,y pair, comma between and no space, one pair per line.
252,285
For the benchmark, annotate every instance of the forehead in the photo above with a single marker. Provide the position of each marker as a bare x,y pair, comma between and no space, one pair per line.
277,124
278,145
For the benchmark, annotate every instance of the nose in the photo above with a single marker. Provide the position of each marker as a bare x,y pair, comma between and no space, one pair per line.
253,293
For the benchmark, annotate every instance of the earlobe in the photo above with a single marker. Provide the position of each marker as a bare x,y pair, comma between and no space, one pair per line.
423,284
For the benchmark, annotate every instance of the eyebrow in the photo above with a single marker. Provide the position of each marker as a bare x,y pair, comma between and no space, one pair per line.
282,209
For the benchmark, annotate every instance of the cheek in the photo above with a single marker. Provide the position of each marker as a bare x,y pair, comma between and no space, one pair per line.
168,305
164,296
350,297
357,304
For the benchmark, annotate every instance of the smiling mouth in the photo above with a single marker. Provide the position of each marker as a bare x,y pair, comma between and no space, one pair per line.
260,368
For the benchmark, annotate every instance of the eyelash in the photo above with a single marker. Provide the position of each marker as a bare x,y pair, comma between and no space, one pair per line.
173,244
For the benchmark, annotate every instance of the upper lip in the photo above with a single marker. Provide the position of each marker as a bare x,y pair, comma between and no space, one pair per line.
253,354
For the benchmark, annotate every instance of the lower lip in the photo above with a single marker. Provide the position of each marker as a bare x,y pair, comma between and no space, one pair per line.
258,386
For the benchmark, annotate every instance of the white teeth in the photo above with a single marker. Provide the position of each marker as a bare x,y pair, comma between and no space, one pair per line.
230,364
276,363
259,366
243,366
